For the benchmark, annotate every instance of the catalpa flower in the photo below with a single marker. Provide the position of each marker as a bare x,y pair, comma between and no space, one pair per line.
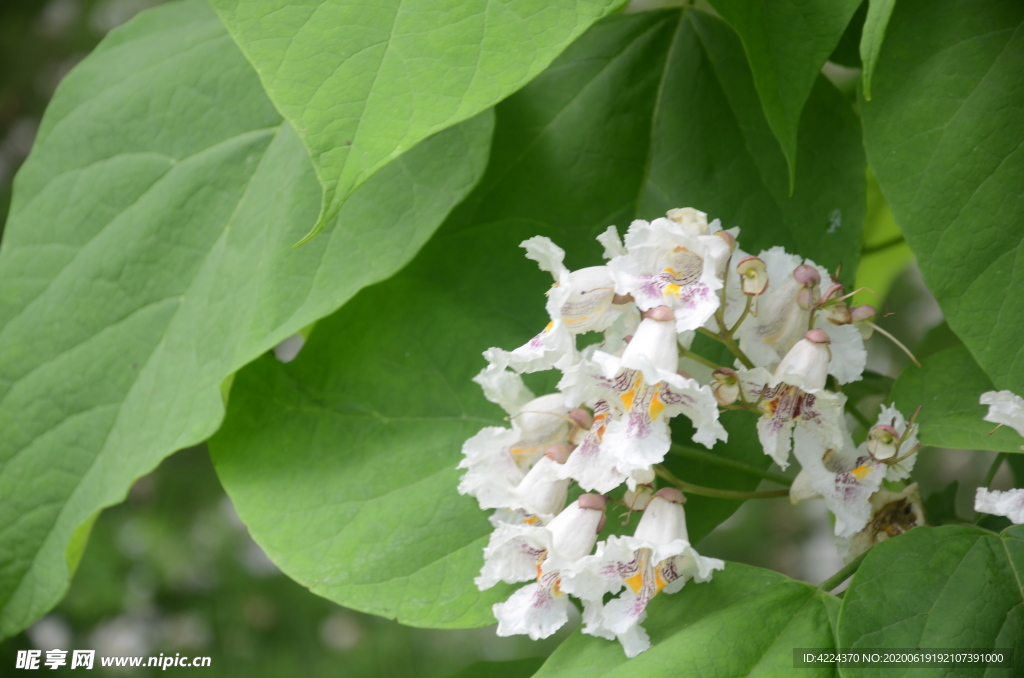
580,301
673,262
643,390
498,459
790,295
518,553
845,478
795,397
657,558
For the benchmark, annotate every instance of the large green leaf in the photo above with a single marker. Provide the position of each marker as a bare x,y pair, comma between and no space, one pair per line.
362,83
787,42
945,136
871,40
938,588
947,388
744,622
148,256
342,463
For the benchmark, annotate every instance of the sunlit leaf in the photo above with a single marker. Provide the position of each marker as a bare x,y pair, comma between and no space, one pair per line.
148,256
362,83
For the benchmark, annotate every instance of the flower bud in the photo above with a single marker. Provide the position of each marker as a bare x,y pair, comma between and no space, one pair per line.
862,313
729,239
559,453
725,386
753,276
663,521
807,361
582,418
655,342
619,299
694,221
671,494
883,442
807,276
660,313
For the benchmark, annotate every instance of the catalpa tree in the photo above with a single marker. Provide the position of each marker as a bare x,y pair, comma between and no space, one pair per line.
453,435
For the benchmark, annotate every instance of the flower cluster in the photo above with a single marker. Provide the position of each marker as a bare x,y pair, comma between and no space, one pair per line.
606,430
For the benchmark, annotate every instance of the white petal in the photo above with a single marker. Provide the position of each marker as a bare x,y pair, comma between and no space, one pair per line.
555,346
533,610
662,522
542,492
653,349
612,243
1009,503
573,535
504,388
512,554
849,357
635,640
547,254
1005,407
492,471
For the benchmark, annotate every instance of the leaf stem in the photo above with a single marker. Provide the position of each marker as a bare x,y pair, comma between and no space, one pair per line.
994,468
843,574
725,462
684,486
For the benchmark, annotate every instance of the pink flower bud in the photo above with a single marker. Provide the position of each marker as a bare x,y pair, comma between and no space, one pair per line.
833,292
817,336
622,299
806,275
725,386
660,313
671,494
862,313
729,239
559,453
582,418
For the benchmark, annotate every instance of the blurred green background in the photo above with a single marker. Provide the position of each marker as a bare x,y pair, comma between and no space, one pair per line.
172,570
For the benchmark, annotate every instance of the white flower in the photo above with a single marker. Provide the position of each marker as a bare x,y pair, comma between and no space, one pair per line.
1005,408
1009,503
642,390
900,460
523,552
669,263
845,478
658,557
794,397
497,459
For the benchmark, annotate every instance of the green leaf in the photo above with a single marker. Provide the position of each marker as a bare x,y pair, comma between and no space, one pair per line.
787,42
884,254
744,622
363,83
519,668
940,507
945,135
872,36
733,465
947,387
937,587
365,428
148,257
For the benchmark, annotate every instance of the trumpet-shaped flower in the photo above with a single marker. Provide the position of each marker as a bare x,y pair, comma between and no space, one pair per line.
657,558
519,553
642,391
794,397
673,263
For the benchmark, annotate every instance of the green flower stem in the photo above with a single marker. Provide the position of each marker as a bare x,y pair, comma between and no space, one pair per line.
994,468
696,357
684,486
743,316
731,464
730,344
842,575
